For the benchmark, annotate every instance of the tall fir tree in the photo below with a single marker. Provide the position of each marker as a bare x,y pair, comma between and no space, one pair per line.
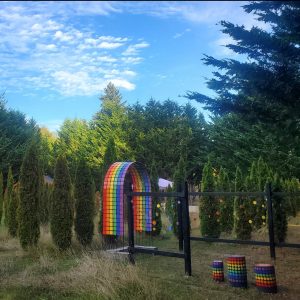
61,210
225,203
280,218
209,207
242,226
12,212
156,205
30,185
1,196
84,204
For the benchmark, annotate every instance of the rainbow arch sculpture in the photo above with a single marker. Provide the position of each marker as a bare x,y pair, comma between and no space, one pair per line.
113,198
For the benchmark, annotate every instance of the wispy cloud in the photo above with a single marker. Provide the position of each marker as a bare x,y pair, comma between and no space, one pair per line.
39,49
180,34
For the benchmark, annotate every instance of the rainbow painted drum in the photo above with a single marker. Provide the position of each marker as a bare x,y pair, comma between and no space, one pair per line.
265,279
217,270
237,271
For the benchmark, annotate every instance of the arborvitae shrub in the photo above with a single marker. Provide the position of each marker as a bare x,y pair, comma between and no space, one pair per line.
209,208
156,205
225,203
45,204
84,204
61,209
12,212
1,196
30,184
242,220
280,218
8,195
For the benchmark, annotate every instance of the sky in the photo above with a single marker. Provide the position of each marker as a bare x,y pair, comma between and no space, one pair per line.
56,57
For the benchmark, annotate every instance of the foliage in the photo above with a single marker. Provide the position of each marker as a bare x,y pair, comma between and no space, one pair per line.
61,211
280,218
84,204
242,221
30,185
15,134
156,205
8,195
209,208
1,196
45,203
225,203
12,222
257,106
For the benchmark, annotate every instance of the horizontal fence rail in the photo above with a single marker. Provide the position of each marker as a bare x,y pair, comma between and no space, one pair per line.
227,194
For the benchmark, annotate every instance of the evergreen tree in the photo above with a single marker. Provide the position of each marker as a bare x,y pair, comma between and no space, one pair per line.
225,203
84,204
30,185
61,210
169,209
264,87
209,208
156,205
8,195
45,204
12,212
1,196
242,226
109,158
280,218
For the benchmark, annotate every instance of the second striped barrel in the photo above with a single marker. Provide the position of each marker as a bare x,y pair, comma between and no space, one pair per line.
237,271
265,279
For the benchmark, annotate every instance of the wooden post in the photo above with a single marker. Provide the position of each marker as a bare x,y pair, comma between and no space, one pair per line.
268,192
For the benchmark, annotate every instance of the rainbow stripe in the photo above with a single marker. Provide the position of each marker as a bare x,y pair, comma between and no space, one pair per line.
113,198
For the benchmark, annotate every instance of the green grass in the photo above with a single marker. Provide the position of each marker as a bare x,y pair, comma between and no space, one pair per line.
44,273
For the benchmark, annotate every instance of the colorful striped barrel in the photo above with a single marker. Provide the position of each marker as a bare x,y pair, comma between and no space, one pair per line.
237,271
265,279
217,270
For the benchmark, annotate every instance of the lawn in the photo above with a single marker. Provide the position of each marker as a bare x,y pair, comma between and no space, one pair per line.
44,273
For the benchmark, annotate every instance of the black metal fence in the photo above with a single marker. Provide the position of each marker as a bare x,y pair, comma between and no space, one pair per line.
184,237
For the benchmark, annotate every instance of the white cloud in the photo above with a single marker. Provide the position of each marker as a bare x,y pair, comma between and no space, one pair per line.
134,49
64,37
107,45
121,83
180,34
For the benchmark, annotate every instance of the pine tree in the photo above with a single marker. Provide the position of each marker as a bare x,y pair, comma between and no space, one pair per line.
12,212
225,203
30,185
156,205
1,197
209,208
61,210
84,204
242,226
280,218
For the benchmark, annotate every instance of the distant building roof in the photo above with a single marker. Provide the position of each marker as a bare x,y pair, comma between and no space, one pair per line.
164,183
48,179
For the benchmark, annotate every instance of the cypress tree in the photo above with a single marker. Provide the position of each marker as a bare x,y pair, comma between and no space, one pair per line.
30,184
12,213
170,202
45,204
61,208
209,208
8,195
156,205
242,226
84,204
280,218
225,203
1,196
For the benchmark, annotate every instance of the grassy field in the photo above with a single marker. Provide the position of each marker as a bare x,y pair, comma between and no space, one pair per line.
44,273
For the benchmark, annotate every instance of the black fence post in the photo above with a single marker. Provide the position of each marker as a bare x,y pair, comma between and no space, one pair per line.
130,228
179,218
268,192
186,232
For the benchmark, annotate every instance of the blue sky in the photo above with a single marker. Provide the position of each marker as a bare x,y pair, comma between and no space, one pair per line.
56,57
